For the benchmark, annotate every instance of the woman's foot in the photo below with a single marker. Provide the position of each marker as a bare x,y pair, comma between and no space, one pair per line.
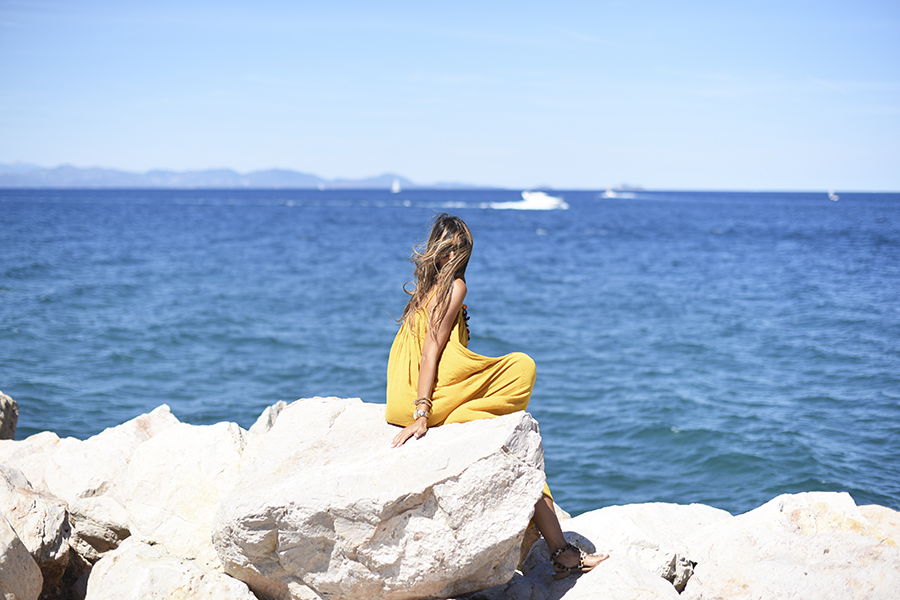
570,559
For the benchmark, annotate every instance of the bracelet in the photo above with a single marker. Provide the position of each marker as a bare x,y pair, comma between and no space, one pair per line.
419,412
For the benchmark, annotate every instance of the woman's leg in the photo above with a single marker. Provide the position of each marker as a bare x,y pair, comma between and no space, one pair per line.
547,523
485,408
507,391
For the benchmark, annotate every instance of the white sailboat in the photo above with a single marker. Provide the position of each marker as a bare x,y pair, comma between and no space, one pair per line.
395,187
832,196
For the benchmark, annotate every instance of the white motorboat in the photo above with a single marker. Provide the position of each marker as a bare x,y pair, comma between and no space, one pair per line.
534,201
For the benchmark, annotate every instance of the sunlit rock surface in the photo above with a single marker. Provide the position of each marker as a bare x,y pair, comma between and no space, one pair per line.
20,576
328,505
138,571
175,483
39,520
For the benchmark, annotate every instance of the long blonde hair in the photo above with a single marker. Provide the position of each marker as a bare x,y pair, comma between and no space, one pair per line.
436,268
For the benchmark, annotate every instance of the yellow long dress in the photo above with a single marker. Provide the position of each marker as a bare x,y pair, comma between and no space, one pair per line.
468,386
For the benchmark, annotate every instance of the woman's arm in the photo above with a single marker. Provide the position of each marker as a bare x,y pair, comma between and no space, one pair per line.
432,348
436,340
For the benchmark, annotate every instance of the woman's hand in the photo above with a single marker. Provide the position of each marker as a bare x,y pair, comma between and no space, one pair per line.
417,429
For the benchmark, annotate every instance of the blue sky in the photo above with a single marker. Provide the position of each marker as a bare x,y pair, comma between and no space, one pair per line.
687,95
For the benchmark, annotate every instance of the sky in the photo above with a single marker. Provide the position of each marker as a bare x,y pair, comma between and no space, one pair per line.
750,95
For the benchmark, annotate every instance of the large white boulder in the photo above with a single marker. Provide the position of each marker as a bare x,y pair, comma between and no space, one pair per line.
175,482
40,521
137,571
811,545
329,507
20,577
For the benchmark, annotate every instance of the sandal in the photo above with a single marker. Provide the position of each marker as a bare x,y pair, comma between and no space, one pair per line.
564,571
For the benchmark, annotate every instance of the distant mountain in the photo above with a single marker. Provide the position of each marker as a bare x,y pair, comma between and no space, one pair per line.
22,175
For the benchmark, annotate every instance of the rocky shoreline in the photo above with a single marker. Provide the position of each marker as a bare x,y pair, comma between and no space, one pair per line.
312,503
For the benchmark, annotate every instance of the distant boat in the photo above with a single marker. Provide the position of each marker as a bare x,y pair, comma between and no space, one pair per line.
395,187
833,196
533,201
621,191
617,193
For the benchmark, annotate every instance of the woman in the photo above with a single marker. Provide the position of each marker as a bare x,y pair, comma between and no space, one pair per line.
434,379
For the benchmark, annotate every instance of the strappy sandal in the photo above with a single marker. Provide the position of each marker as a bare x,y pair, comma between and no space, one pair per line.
564,571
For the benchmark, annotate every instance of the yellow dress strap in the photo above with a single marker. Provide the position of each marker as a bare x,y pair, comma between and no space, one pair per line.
430,296
427,300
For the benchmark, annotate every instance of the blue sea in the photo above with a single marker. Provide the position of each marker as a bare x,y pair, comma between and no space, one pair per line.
720,348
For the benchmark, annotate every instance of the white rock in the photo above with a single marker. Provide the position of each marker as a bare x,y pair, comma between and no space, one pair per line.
806,513
810,545
31,456
620,579
329,506
617,578
174,485
95,466
20,577
86,474
257,432
9,416
99,524
267,419
652,534
884,523
40,521
137,571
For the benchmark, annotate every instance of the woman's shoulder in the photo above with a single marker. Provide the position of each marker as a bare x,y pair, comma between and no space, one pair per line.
459,286
457,296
